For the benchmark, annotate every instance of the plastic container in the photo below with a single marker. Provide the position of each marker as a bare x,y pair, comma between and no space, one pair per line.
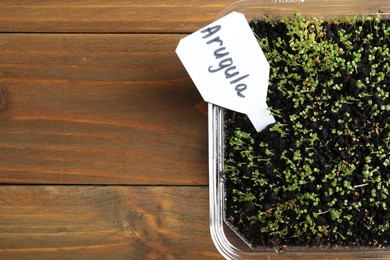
227,241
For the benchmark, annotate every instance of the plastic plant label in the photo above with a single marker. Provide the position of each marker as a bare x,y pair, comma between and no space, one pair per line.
228,67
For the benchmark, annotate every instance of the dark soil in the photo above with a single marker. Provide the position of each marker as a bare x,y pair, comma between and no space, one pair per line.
323,179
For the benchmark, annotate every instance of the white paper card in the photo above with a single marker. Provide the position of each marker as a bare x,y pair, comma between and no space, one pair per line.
228,67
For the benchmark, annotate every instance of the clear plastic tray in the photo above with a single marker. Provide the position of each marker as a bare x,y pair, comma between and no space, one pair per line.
226,240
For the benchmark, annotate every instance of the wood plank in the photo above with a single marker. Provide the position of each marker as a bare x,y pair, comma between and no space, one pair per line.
153,16
99,109
84,222
107,16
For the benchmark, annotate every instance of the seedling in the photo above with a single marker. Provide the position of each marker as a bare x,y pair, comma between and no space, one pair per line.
320,175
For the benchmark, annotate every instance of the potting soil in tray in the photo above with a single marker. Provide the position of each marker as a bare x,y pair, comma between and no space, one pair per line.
321,174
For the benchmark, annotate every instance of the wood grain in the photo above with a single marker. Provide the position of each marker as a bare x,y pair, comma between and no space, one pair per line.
107,108
102,16
99,109
123,16
84,222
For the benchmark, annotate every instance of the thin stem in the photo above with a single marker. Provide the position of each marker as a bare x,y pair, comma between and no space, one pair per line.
360,185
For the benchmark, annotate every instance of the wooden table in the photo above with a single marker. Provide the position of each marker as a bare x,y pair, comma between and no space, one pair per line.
103,136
